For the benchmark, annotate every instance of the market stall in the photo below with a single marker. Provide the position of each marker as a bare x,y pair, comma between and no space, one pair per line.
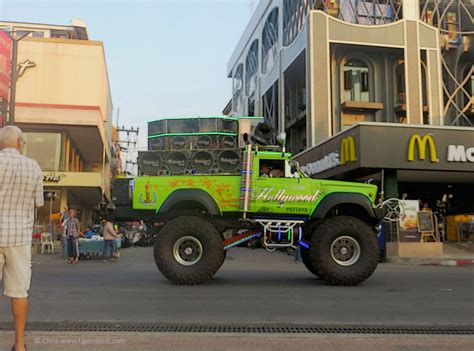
92,247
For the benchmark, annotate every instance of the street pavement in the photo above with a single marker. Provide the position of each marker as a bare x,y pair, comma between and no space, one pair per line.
253,286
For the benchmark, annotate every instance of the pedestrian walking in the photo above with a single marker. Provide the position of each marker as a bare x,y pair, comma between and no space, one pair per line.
21,189
63,219
72,236
62,228
109,235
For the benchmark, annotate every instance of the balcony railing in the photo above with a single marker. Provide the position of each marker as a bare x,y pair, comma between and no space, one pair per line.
366,12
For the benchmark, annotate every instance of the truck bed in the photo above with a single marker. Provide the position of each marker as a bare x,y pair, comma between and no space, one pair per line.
151,191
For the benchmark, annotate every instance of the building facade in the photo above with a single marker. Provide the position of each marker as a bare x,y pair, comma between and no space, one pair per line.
64,106
341,77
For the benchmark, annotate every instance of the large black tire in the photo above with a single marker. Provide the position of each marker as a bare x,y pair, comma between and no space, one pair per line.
343,251
201,262
223,258
307,261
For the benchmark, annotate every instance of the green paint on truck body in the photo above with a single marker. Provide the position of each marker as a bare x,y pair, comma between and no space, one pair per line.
280,196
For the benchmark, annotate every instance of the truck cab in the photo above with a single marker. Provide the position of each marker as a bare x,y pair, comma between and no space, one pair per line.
280,187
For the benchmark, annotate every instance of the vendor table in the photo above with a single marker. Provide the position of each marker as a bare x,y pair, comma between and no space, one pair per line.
91,247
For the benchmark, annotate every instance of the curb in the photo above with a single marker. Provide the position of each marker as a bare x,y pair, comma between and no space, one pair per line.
432,261
451,263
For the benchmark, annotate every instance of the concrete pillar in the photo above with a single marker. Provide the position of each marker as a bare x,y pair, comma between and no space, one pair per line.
319,87
411,10
281,97
413,87
390,181
435,87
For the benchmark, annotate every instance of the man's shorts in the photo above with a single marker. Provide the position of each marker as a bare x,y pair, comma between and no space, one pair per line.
15,268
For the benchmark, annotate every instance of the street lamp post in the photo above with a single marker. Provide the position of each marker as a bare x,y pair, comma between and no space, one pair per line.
3,112
51,196
14,74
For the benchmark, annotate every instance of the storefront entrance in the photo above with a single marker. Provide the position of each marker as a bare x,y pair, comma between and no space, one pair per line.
431,166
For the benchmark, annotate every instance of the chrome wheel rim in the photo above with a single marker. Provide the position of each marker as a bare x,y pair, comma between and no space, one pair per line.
345,251
187,250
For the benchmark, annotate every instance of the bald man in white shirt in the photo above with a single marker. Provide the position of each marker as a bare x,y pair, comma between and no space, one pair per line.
21,189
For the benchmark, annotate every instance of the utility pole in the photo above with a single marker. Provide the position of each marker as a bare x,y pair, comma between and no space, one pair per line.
132,130
118,114
128,141
51,195
3,112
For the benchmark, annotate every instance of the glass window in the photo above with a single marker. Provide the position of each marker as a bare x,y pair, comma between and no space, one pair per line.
20,33
272,168
251,67
270,41
356,81
294,16
424,86
60,34
237,88
400,84
251,105
45,148
73,160
400,97
468,94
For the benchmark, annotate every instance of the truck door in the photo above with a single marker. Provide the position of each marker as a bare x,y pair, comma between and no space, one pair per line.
277,191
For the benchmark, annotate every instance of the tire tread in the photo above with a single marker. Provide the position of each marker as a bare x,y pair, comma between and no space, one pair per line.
322,264
197,276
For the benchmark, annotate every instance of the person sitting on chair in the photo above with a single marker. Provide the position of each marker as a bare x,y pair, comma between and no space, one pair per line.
88,234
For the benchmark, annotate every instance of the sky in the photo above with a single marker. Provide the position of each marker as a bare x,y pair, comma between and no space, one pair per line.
164,57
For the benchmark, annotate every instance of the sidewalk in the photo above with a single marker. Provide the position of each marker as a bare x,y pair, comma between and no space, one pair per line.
454,256
67,341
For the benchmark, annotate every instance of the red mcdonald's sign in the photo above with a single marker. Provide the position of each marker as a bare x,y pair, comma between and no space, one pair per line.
5,56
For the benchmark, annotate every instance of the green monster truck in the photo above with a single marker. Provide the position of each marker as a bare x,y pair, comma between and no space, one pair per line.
331,223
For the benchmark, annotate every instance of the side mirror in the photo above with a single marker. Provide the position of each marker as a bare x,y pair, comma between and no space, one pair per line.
294,169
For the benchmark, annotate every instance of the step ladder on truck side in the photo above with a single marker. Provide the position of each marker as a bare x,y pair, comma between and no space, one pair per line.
276,233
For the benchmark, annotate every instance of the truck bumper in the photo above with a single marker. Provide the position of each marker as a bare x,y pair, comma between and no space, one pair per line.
379,213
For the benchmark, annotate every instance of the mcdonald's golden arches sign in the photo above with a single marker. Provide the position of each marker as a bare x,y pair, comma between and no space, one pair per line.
421,144
348,152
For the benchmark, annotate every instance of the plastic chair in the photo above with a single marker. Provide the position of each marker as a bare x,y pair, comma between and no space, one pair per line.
47,241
